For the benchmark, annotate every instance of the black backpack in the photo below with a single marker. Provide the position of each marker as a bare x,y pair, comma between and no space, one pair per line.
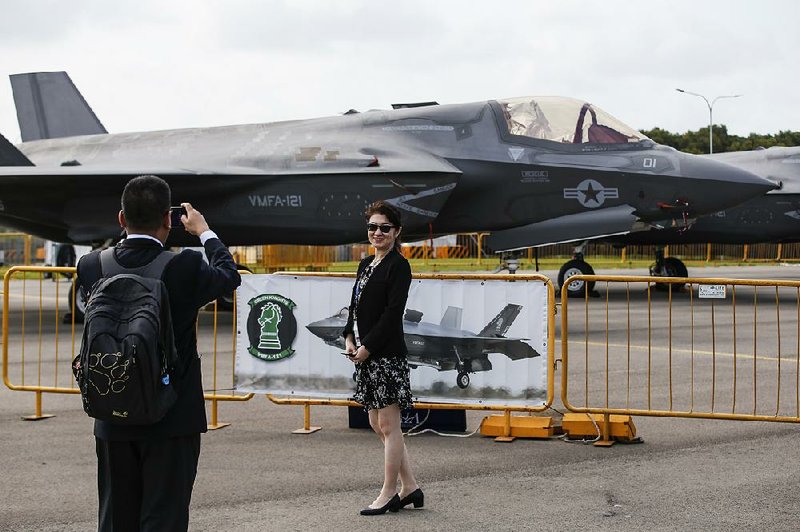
128,348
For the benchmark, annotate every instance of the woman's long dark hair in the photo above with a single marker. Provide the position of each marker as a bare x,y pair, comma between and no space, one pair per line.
391,212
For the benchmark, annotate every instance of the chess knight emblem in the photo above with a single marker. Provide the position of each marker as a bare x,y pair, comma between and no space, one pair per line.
271,327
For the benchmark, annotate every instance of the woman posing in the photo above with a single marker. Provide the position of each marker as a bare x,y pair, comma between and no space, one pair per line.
375,342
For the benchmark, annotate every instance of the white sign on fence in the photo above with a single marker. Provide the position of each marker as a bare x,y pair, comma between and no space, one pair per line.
477,342
711,291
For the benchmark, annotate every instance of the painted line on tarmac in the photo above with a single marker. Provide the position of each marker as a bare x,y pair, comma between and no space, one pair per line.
739,356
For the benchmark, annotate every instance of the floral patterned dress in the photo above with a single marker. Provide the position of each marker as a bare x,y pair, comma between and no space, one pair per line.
380,381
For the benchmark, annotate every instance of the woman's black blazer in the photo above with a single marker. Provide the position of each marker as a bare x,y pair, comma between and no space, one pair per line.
381,306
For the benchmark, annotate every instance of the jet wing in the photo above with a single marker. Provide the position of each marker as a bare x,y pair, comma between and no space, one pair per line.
588,225
470,346
513,348
78,203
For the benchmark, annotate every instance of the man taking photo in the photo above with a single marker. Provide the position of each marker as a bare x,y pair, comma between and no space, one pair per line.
145,473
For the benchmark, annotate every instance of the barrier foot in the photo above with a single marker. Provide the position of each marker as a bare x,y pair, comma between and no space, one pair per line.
604,443
38,415
215,424
612,427
507,428
506,437
307,428
605,440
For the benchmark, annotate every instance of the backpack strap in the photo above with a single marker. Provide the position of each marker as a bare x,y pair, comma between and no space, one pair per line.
153,269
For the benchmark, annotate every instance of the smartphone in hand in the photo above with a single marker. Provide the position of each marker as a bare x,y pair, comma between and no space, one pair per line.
175,214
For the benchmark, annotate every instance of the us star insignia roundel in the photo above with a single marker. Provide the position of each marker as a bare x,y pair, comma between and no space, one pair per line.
591,193
271,327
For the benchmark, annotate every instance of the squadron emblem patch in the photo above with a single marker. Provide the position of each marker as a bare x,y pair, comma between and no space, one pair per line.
271,327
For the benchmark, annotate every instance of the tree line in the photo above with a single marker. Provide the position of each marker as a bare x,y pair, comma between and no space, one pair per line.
697,141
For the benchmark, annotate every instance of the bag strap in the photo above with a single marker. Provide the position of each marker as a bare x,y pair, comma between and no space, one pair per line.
153,269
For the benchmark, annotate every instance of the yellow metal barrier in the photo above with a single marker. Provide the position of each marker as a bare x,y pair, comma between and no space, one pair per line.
722,354
506,409
49,302
40,311
42,320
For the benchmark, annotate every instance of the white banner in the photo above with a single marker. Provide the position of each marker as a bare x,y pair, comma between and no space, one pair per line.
476,342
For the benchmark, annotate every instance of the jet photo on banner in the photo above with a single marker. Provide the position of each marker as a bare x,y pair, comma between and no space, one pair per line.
469,341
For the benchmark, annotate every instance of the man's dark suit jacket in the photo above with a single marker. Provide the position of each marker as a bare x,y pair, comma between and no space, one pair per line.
381,306
191,283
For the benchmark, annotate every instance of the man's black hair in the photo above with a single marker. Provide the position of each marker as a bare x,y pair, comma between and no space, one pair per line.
145,200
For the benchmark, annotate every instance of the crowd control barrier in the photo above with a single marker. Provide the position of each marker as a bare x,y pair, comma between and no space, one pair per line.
41,337
37,309
682,347
666,347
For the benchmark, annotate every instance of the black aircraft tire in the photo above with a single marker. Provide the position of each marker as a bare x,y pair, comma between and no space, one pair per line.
575,267
672,268
80,305
462,380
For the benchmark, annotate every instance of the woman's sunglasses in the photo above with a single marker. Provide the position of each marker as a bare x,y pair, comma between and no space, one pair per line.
385,228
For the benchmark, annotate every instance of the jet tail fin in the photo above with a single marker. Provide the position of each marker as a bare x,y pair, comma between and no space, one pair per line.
11,156
502,322
49,106
452,318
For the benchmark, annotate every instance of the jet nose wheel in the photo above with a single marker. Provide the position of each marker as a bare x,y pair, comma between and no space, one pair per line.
672,267
575,288
80,305
462,380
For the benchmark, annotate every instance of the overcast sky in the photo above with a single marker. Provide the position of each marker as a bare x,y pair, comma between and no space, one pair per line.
149,64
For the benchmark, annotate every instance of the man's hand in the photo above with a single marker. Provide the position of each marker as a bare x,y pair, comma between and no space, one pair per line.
193,221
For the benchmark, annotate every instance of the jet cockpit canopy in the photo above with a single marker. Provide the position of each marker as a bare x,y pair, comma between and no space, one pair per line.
565,120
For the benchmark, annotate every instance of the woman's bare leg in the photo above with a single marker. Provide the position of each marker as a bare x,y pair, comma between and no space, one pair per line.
386,424
407,481
373,422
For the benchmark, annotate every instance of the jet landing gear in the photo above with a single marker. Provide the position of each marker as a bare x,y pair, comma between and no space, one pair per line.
576,266
464,368
668,267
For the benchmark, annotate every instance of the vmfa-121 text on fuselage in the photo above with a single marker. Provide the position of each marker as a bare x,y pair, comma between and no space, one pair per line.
483,166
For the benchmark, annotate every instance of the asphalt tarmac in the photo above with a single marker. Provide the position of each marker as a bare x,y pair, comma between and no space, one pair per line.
689,474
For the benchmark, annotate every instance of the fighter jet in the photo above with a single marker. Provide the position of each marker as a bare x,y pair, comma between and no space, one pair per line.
773,217
445,347
484,166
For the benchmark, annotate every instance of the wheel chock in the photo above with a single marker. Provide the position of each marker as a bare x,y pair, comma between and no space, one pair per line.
517,427
580,426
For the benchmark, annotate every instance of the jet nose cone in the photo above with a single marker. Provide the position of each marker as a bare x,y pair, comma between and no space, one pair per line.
719,186
317,328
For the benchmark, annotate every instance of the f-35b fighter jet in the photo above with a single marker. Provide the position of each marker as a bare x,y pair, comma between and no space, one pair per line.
484,166
772,217
444,346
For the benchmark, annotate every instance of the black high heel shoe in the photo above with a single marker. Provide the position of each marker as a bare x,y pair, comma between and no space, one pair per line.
416,496
393,505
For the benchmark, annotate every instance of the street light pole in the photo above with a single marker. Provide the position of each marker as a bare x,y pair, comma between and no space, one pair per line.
710,114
